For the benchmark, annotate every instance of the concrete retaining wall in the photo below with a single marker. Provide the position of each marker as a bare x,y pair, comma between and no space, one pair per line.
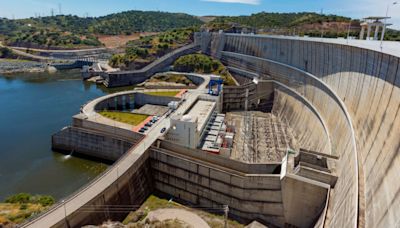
125,78
366,83
80,121
142,99
74,65
90,143
133,100
187,176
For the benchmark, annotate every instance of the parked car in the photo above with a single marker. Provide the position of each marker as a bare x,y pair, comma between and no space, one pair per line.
163,130
148,124
141,130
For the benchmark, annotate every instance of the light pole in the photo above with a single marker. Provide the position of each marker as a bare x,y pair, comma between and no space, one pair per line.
384,25
348,31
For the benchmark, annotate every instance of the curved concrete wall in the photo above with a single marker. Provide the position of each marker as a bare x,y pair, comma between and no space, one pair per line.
302,116
354,90
132,100
125,78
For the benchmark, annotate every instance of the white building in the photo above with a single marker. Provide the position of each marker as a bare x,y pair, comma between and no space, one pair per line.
188,129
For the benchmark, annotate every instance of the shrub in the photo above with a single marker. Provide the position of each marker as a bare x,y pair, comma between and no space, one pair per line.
5,52
24,198
200,63
19,198
45,200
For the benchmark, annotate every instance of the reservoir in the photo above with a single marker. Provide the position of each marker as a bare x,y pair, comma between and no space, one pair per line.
33,107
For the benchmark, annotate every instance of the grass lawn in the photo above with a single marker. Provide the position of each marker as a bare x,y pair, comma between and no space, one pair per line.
164,93
124,117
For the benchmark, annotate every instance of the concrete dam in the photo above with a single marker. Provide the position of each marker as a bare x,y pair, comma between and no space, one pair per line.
341,101
356,92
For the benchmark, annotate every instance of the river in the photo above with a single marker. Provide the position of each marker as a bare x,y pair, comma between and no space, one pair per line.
33,107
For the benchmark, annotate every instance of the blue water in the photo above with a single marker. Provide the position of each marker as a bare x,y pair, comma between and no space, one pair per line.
32,108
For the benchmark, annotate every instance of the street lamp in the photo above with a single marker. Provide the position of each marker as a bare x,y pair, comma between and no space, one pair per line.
384,25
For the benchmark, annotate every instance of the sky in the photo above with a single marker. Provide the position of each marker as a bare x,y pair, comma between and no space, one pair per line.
352,8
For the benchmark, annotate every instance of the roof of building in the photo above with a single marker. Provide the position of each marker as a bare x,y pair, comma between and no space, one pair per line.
202,110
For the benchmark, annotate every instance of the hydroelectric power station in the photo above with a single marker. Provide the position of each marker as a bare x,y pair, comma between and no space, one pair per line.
309,139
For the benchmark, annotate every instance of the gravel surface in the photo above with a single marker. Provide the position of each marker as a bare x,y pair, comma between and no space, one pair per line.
187,217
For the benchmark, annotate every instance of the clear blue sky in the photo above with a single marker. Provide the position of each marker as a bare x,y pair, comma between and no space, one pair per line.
352,8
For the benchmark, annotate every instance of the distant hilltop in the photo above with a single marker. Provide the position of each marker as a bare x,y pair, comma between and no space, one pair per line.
68,31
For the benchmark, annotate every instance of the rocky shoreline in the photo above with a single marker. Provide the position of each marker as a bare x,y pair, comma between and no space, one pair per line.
9,66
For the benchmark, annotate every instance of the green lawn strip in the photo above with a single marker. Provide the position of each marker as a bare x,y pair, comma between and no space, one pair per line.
163,93
124,117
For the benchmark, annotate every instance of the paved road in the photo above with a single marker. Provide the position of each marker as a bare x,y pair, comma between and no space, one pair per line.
57,51
23,53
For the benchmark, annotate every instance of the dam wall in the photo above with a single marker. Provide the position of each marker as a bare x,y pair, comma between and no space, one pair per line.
356,92
302,116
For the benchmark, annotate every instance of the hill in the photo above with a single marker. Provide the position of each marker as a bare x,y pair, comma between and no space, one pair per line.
67,31
304,23
140,52
281,20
